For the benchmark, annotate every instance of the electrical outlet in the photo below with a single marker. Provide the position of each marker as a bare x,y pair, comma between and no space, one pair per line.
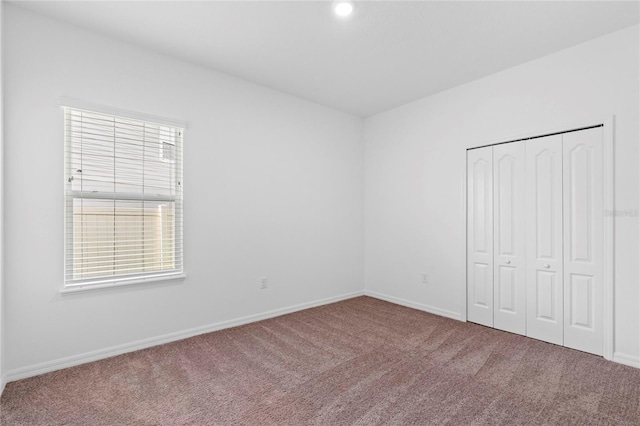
263,283
425,278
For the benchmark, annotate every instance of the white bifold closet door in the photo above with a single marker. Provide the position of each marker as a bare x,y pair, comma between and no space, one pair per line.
545,319
535,231
583,239
480,236
496,241
509,237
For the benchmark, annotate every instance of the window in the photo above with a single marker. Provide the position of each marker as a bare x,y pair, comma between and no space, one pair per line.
123,209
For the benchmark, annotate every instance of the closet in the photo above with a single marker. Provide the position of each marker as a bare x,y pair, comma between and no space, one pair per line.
535,217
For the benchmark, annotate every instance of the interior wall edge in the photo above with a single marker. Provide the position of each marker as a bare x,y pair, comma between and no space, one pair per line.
75,360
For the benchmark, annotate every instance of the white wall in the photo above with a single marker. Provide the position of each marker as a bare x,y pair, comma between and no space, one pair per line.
273,187
2,370
414,170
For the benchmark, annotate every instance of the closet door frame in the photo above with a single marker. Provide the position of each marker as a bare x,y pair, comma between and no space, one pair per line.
609,219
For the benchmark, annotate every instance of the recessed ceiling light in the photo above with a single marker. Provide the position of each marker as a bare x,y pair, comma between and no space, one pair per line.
343,8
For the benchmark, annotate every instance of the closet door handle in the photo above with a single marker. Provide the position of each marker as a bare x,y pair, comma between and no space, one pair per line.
508,262
547,266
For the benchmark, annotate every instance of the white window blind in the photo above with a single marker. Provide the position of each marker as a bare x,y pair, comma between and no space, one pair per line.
123,210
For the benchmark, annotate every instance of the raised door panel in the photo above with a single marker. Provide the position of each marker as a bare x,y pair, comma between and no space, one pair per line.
544,239
509,239
583,239
480,236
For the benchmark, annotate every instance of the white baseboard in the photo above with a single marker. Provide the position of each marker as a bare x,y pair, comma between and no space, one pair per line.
71,361
626,359
414,305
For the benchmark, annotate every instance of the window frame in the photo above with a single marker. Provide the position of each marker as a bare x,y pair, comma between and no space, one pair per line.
105,281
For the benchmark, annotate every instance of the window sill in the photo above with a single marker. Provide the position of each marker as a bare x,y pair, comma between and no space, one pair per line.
102,284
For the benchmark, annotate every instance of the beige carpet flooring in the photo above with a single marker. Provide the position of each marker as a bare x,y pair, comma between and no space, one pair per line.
357,362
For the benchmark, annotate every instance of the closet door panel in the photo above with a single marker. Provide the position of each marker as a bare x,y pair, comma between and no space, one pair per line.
544,239
480,236
509,239
583,240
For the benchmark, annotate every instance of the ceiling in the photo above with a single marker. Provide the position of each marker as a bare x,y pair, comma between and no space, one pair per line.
386,54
